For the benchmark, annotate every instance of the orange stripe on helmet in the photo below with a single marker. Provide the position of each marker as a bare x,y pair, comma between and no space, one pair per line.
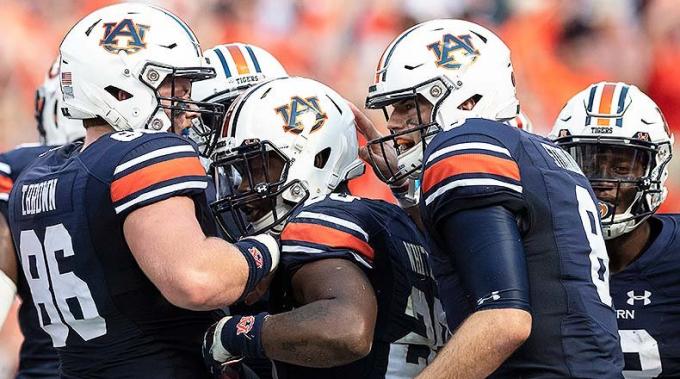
323,235
606,103
239,59
6,184
154,174
469,164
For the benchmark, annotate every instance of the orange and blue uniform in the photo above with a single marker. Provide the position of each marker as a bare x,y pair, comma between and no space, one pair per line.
104,316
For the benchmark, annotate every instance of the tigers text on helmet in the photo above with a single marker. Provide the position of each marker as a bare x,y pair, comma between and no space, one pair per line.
53,127
286,140
621,141
114,61
448,63
239,66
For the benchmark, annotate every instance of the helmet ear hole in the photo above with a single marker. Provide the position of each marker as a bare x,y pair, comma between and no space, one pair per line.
321,158
470,103
118,93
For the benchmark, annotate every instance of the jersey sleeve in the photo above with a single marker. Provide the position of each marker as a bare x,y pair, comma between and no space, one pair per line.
6,183
158,168
322,232
470,171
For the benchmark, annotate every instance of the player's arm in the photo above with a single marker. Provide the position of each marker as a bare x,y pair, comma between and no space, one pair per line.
8,270
192,270
155,189
488,252
333,326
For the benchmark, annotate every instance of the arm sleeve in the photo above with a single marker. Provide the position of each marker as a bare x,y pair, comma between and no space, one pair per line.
487,249
156,170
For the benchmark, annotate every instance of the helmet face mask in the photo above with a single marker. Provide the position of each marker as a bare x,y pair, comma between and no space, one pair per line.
408,144
286,140
621,141
447,63
250,180
623,174
203,128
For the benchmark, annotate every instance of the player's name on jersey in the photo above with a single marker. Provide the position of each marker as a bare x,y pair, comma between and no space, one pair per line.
39,197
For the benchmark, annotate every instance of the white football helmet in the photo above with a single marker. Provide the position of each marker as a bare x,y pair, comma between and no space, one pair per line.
445,62
239,66
303,125
54,128
622,143
132,48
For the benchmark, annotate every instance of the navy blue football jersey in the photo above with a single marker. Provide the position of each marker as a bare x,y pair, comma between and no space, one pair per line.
646,296
66,212
381,239
485,163
37,357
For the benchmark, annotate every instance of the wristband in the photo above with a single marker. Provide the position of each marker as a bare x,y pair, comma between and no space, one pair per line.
262,254
242,335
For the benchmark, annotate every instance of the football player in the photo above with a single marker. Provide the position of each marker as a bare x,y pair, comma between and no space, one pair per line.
519,257
37,356
238,66
361,299
621,141
107,230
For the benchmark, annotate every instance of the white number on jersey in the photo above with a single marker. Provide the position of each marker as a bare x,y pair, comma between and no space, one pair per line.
53,289
599,260
641,342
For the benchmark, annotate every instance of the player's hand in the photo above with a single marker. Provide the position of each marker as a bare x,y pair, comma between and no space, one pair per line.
216,357
385,163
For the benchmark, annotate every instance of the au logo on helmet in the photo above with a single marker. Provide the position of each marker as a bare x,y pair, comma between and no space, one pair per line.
446,49
296,109
124,35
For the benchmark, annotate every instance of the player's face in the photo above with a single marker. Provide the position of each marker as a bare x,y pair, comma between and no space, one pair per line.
615,172
261,172
179,88
404,115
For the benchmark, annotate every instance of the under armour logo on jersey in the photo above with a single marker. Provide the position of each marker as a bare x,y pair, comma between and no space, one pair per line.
296,112
125,35
493,297
245,325
632,298
451,47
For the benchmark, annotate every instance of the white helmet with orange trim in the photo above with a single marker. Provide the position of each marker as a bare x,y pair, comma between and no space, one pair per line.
621,141
53,127
445,62
239,66
286,140
114,60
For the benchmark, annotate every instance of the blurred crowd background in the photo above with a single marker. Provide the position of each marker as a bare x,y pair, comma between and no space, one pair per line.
558,47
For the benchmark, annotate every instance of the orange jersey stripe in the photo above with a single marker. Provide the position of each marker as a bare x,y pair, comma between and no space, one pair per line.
6,184
468,164
154,174
326,236
239,59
